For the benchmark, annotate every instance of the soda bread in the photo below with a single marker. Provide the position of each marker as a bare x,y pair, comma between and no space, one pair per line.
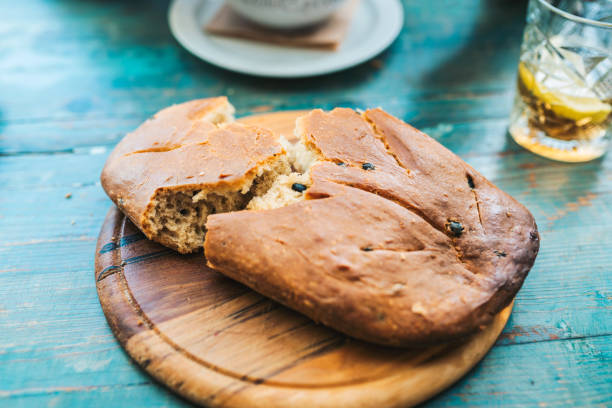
365,224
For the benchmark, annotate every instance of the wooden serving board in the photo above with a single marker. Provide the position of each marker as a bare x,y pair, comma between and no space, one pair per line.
219,344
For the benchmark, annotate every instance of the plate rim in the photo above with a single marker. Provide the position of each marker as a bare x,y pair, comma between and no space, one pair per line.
394,27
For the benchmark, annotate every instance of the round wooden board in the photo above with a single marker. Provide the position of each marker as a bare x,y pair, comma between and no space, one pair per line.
219,344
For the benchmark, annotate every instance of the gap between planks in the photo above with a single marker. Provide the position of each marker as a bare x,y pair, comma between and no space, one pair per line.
27,392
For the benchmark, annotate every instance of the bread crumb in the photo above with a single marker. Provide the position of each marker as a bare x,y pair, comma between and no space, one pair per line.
377,63
397,288
419,309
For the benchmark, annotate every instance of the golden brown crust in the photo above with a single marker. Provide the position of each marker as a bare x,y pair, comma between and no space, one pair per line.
399,242
181,149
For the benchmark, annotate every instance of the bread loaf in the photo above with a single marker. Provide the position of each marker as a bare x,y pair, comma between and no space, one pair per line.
366,224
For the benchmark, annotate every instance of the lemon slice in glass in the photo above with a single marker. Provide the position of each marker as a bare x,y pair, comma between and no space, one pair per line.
576,108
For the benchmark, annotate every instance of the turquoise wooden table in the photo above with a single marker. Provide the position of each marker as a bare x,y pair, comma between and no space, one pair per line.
76,75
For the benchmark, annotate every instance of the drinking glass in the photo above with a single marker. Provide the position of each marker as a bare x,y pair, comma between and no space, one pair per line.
563,104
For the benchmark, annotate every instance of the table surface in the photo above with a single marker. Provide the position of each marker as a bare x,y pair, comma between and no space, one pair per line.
75,76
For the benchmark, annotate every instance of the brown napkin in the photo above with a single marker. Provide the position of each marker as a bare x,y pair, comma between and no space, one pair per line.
327,35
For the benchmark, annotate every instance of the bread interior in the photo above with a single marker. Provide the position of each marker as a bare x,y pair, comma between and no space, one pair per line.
282,191
221,114
177,217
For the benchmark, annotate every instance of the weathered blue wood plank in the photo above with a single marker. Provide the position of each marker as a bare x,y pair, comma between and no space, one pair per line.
458,115
120,59
559,375
554,373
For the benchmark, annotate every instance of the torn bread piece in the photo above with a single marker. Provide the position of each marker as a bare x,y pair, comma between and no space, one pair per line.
187,162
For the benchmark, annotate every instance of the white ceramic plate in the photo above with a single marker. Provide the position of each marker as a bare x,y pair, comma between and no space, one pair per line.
375,24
